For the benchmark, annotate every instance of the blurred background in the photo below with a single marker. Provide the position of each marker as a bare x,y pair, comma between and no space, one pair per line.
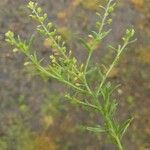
33,113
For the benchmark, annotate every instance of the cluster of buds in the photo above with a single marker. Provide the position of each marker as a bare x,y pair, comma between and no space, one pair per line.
60,59
129,34
10,38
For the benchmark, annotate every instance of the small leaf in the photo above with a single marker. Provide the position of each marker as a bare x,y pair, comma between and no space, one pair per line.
31,40
113,107
94,34
91,70
83,42
96,129
124,127
103,35
112,7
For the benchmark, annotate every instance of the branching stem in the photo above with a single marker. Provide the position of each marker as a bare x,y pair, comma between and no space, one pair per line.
119,52
105,16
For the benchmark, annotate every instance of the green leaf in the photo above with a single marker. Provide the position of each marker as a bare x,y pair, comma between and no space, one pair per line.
94,34
96,129
100,72
84,43
31,40
113,88
124,127
91,70
103,35
113,107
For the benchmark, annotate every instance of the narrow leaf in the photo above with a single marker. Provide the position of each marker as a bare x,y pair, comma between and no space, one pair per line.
103,34
91,70
32,38
94,34
83,42
100,73
124,127
113,107
96,129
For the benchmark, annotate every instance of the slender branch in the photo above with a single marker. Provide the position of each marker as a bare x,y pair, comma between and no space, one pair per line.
111,67
59,79
85,70
105,16
85,104
47,32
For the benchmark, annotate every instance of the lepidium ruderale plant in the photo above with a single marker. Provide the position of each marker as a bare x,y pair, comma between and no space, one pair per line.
65,68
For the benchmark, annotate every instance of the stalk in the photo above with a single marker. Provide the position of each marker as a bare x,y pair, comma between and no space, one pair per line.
119,145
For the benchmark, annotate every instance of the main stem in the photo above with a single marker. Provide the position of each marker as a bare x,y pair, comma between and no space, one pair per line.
119,145
108,121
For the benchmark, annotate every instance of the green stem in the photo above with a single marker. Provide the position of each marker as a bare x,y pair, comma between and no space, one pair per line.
113,133
49,74
47,32
119,145
111,127
59,79
105,16
88,104
119,52
85,70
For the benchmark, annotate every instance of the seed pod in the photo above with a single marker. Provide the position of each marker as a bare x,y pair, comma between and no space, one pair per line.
39,10
77,84
56,52
15,50
49,25
27,63
48,42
